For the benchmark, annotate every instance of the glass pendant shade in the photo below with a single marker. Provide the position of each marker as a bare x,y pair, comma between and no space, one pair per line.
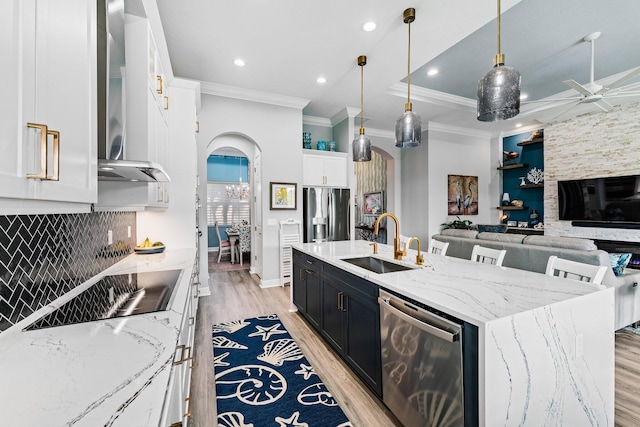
361,148
408,130
409,125
361,145
499,89
499,94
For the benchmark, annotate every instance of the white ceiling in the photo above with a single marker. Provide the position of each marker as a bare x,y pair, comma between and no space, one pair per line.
287,44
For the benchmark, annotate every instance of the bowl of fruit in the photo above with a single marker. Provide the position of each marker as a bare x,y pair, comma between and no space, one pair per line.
147,247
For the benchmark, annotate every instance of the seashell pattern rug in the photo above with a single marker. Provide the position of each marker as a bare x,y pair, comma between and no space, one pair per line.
263,379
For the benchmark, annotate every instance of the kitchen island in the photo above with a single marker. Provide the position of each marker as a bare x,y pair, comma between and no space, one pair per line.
116,372
545,350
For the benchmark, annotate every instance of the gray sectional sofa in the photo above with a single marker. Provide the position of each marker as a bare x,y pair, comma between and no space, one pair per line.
532,252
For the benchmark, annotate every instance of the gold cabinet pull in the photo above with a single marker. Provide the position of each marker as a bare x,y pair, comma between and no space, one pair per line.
166,102
43,151
56,155
183,349
44,158
188,400
197,126
159,88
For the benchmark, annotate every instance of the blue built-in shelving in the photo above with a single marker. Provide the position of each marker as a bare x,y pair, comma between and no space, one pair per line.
530,151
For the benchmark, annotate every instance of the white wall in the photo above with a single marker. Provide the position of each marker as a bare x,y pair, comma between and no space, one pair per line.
177,225
277,131
459,151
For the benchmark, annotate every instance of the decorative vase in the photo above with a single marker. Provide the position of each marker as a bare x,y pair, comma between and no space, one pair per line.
534,218
522,181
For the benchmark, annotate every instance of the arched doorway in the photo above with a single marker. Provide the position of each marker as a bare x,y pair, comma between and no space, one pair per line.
232,144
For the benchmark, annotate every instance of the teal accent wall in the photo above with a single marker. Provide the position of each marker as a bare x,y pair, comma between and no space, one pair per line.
533,198
224,169
227,168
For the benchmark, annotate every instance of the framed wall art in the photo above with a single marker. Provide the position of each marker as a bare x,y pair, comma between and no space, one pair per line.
283,196
373,204
462,195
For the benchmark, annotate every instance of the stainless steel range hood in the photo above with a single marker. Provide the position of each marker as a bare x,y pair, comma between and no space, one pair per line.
130,170
112,130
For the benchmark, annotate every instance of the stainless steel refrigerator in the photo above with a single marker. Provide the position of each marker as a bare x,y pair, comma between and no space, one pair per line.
325,214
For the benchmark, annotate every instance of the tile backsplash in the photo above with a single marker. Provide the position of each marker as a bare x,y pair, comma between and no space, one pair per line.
45,256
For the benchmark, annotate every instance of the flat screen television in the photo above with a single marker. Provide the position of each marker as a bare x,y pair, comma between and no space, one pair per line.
610,201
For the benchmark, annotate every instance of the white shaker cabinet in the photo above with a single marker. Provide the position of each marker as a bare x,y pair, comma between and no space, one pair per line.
48,116
147,103
177,404
328,169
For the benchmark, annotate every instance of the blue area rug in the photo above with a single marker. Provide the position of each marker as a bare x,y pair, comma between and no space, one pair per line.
263,379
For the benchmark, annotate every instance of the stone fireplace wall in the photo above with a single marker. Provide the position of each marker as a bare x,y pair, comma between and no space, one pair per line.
589,146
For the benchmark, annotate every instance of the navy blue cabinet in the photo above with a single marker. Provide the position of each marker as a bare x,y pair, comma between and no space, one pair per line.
344,309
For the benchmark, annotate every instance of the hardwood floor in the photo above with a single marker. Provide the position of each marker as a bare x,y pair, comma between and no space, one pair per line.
236,295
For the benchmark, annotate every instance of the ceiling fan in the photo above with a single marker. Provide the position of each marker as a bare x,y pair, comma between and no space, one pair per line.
593,92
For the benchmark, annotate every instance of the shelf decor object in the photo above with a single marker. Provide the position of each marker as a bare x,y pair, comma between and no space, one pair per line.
409,125
499,89
361,144
535,175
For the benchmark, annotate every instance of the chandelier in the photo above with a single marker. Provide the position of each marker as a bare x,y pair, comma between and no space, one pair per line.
240,191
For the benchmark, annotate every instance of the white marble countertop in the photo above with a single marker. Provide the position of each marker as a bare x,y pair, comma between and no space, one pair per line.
101,373
476,293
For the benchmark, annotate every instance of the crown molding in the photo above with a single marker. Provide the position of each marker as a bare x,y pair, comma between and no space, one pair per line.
434,97
253,95
458,130
316,121
345,113
380,133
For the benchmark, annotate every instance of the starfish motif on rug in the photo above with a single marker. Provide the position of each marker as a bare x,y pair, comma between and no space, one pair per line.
267,332
305,371
291,421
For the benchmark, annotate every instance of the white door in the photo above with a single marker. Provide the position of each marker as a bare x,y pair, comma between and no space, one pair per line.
257,215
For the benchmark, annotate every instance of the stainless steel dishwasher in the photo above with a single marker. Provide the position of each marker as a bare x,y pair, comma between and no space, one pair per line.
422,380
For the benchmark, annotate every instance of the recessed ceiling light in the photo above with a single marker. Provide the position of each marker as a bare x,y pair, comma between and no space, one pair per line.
523,96
239,62
432,72
321,80
518,125
369,26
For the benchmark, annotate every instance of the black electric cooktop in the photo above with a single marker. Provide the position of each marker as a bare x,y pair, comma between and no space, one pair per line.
112,296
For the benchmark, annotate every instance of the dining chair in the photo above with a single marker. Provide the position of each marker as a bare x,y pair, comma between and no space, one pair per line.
225,245
244,245
437,247
574,270
485,255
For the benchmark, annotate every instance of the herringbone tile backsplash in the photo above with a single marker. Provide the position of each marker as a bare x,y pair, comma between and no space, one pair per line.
45,256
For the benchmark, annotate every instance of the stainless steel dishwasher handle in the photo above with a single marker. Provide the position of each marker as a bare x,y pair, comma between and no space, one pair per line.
430,329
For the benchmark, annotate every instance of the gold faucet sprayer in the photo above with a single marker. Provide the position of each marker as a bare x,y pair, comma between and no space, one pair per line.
419,257
397,252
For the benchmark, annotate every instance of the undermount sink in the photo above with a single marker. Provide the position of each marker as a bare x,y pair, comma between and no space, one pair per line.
377,265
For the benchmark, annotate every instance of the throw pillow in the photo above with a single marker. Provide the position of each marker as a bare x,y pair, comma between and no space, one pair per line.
619,262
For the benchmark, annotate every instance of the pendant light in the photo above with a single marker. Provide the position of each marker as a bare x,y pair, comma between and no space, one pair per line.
362,143
409,125
499,89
